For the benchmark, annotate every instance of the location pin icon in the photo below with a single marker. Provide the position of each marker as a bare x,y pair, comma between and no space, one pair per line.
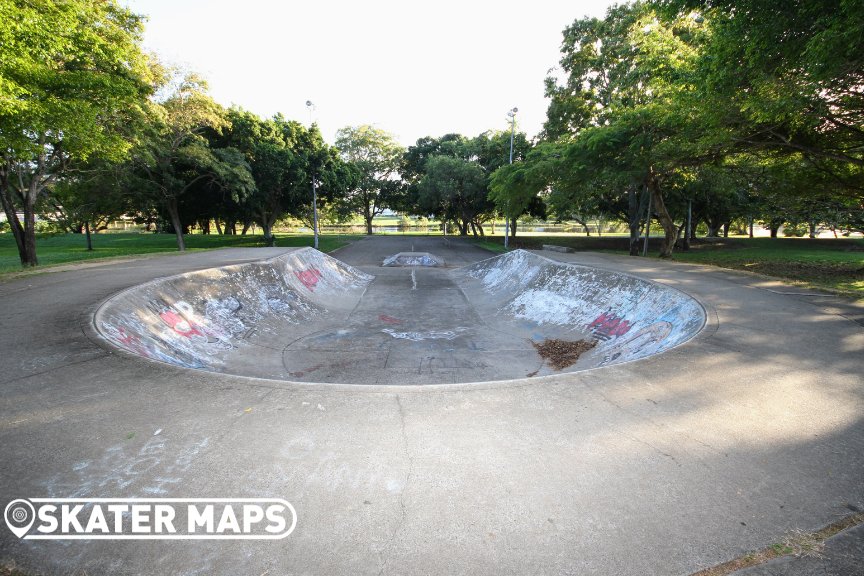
19,515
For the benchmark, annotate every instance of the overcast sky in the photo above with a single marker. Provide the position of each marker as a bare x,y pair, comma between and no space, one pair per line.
412,68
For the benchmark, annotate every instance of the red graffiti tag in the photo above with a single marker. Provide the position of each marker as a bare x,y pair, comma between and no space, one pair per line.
609,325
131,342
180,325
389,319
309,278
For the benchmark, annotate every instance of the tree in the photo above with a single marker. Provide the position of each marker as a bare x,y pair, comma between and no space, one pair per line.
626,105
491,150
279,154
786,79
790,74
86,201
454,189
376,157
175,156
73,80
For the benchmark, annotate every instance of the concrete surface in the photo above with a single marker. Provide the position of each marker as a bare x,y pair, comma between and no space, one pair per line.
305,316
667,465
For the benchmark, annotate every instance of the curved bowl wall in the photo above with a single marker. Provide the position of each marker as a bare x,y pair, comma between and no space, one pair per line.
305,316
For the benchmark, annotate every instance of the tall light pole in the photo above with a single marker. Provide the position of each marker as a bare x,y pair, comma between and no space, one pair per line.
311,107
512,115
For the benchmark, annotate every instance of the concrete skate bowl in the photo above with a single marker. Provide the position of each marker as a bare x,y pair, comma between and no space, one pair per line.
307,317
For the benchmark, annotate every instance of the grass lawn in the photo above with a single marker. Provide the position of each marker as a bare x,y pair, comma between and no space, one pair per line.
831,264
66,248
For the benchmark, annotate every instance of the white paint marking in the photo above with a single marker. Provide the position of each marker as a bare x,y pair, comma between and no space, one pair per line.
413,278
419,336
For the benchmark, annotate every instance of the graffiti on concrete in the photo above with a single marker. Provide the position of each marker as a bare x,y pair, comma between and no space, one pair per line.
309,278
389,319
629,317
608,325
200,319
642,343
420,336
181,317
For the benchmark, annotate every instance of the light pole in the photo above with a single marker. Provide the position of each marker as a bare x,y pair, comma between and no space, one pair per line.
512,115
311,107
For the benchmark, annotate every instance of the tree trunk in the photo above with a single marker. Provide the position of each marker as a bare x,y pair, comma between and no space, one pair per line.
12,218
584,225
513,228
634,212
367,216
267,220
726,229
218,226
813,225
774,226
28,258
669,228
246,225
89,239
174,214
682,240
713,228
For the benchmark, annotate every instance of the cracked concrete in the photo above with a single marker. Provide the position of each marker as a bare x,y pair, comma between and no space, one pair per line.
405,486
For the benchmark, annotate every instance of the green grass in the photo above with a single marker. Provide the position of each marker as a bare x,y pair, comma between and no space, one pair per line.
492,245
836,265
70,248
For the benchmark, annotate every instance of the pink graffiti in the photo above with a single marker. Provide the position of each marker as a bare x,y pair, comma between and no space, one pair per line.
609,325
180,325
389,319
309,278
130,341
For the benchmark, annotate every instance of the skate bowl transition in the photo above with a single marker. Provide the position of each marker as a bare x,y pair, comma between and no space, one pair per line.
307,317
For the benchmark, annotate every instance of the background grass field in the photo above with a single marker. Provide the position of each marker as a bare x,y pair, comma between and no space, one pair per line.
836,265
67,248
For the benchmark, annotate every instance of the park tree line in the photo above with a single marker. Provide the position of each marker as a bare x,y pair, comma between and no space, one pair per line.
711,113
704,111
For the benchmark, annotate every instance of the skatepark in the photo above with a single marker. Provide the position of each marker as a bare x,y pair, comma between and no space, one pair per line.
306,316
404,410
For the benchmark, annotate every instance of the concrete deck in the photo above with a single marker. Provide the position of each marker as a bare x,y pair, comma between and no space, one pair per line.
666,465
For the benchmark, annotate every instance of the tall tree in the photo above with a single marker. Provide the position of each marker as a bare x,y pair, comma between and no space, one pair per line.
73,80
787,76
376,157
454,189
175,157
626,103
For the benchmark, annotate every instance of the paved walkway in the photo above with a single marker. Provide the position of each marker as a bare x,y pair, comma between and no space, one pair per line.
667,465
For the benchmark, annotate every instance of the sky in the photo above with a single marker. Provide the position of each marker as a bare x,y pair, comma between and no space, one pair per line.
411,68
